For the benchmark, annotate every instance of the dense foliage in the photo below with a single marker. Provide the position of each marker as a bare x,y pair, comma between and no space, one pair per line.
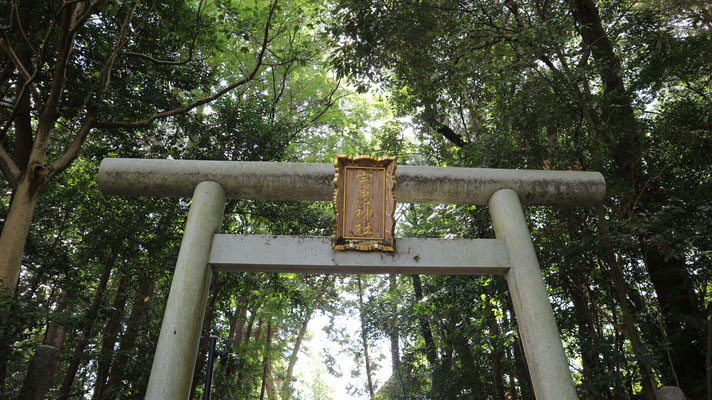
622,87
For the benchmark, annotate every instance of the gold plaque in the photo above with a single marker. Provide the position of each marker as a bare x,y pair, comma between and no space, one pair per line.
364,203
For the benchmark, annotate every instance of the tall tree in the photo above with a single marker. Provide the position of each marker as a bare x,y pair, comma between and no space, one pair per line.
567,85
70,68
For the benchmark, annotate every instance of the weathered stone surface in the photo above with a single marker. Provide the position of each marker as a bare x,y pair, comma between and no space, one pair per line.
306,181
177,348
262,253
546,361
670,393
40,373
213,181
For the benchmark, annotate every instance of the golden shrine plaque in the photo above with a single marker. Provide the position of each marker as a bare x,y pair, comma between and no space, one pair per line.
364,203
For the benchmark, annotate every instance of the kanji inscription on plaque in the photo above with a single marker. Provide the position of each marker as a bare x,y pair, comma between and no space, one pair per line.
364,203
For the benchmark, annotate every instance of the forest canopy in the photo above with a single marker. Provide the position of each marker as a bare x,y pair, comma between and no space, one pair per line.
616,86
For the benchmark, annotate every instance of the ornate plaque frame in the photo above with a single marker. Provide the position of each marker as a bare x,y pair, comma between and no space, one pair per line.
364,203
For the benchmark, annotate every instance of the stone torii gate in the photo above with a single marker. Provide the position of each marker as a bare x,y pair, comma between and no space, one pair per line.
210,183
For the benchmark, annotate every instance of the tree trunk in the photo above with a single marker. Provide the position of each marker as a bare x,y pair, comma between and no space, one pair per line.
622,125
237,325
237,332
287,384
40,373
430,350
468,361
520,363
241,361
250,324
85,335
205,341
393,334
682,317
45,361
271,392
23,122
648,380
14,232
111,332
497,355
447,348
240,358
525,384
512,383
621,130
258,331
127,342
265,359
29,185
708,358
271,389
364,339
8,334
587,335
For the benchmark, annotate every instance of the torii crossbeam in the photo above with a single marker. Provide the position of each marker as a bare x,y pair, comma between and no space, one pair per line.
210,183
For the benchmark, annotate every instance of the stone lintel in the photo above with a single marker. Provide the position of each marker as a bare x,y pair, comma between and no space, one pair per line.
314,182
262,253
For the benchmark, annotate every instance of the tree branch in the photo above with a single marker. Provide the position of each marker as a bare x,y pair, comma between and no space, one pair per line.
8,167
161,62
121,41
449,134
190,49
71,153
49,111
21,29
197,103
329,100
78,19
45,42
5,45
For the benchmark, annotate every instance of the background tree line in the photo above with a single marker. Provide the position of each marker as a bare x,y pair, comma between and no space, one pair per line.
620,87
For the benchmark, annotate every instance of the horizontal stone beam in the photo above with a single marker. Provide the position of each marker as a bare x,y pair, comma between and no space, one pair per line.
310,181
258,253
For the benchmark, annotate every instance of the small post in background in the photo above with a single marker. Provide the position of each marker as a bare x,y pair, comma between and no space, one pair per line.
211,364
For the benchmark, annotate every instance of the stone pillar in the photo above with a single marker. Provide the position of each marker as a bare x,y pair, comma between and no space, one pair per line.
548,366
177,349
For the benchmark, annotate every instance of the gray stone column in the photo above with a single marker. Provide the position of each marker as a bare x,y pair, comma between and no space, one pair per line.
548,366
177,349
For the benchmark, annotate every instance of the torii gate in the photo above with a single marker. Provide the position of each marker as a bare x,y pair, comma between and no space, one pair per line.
210,183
